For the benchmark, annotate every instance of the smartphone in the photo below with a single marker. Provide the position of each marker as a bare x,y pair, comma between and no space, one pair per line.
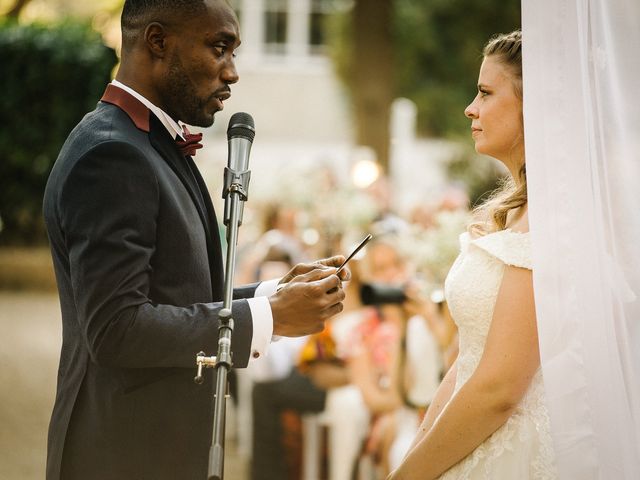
356,250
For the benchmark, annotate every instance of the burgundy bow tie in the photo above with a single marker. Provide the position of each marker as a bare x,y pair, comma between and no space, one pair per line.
191,142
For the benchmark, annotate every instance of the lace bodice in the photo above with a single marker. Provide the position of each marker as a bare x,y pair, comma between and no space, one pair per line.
520,449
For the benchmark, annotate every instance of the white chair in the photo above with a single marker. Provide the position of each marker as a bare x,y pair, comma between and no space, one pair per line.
347,419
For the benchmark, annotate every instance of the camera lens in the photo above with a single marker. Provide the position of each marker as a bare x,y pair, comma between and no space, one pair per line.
379,294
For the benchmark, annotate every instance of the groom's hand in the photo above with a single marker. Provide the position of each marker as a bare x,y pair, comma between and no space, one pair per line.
303,268
310,296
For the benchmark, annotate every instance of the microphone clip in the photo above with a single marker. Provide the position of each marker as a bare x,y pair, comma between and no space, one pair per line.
236,182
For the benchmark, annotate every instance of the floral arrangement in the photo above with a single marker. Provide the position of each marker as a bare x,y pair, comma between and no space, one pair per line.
327,208
434,249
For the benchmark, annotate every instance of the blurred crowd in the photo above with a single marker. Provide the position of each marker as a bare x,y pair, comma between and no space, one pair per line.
346,403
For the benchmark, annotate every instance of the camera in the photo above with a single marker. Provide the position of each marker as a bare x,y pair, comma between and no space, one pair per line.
380,294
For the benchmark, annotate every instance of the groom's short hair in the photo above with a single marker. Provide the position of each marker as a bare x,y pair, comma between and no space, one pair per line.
137,14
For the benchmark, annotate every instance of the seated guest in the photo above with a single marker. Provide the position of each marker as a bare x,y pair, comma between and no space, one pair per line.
283,387
389,347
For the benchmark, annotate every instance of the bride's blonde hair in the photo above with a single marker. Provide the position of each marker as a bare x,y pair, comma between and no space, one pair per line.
512,193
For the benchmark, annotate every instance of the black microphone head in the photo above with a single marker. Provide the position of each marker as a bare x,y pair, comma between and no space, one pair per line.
241,125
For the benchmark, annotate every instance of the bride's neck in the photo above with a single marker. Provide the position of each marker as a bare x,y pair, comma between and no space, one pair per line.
518,219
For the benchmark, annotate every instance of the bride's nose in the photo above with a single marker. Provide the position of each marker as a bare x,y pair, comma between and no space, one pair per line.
471,111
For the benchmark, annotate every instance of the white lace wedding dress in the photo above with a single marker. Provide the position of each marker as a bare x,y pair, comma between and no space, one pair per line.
521,449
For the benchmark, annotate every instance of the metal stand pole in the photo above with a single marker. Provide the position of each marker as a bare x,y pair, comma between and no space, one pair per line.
236,185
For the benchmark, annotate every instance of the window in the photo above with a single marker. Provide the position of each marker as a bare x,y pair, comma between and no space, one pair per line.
320,11
276,18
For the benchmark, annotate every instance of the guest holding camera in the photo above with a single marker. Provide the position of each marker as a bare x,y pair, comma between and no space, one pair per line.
379,363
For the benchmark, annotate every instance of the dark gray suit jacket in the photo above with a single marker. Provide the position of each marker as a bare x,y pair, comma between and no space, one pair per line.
139,268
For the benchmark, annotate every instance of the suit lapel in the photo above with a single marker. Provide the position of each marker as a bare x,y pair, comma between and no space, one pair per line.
215,261
194,184
166,147
184,169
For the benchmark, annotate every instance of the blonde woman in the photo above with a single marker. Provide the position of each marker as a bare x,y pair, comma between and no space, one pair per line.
488,419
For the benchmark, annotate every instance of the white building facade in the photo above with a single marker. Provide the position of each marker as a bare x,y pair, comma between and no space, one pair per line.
301,110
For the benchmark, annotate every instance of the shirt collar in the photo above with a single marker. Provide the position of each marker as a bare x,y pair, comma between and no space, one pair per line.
169,123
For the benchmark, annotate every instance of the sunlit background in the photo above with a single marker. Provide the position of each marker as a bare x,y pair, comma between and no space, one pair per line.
358,106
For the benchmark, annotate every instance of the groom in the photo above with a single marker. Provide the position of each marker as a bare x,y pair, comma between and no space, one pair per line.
138,260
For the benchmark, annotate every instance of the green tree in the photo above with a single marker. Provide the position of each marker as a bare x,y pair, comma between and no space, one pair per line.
438,45
373,74
428,51
51,76
361,44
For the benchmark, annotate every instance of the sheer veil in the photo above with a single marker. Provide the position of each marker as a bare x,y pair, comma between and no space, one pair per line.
581,67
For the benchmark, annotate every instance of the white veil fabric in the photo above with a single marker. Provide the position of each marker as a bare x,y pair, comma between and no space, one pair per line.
581,72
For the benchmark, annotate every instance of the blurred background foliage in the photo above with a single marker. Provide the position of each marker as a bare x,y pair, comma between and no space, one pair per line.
438,54
51,76
435,53
430,54
54,71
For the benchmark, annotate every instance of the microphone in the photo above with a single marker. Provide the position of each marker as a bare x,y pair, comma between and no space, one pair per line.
240,135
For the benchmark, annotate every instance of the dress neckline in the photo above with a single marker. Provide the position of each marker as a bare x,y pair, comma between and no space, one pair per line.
506,230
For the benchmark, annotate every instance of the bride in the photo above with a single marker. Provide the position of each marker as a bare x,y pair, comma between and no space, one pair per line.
488,419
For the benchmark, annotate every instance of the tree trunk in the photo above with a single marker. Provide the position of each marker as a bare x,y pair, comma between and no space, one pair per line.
18,5
372,69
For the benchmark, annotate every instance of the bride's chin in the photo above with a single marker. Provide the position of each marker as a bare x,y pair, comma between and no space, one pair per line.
481,148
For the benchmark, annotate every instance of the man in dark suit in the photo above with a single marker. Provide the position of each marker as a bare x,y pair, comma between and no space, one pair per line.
138,260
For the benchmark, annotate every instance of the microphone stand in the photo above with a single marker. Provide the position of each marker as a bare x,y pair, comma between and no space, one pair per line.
236,186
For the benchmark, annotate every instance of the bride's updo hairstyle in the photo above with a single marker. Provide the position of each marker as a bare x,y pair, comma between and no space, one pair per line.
512,193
